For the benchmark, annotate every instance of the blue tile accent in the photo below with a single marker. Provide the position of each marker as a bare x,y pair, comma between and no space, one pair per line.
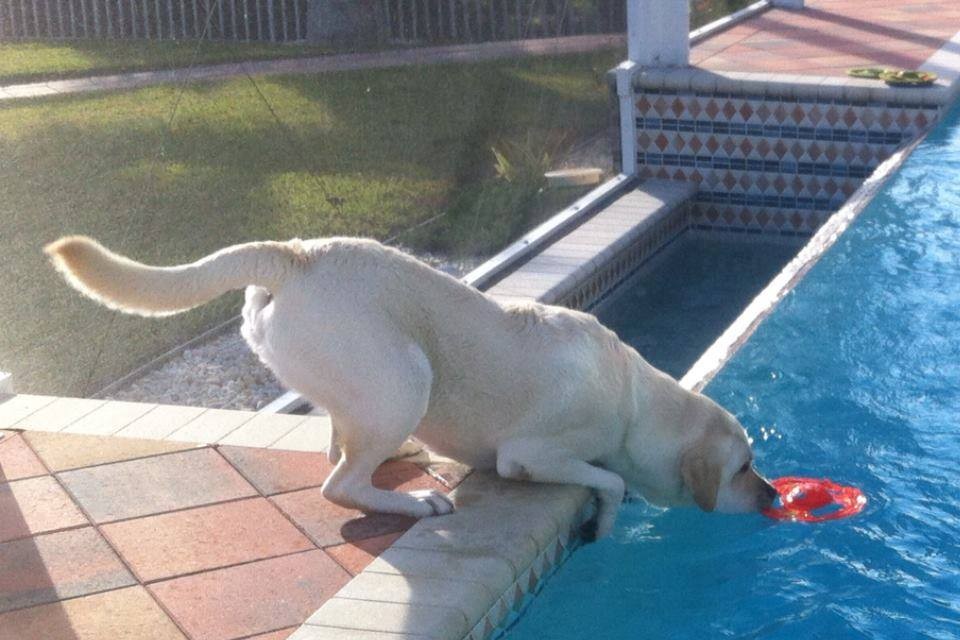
782,167
786,132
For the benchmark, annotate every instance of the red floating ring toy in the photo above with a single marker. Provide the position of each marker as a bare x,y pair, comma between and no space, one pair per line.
801,498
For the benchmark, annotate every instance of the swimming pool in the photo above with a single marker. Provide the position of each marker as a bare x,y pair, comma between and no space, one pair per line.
682,299
855,376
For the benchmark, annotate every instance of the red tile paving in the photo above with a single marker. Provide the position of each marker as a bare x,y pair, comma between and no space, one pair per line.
209,537
251,598
279,471
355,556
122,614
35,505
328,524
63,451
56,566
16,459
400,475
154,485
206,544
830,36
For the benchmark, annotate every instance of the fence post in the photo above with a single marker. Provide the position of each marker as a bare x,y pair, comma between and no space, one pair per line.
341,21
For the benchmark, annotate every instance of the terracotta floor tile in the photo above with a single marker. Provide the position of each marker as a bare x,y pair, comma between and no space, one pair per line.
864,29
273,471
251,598
355,556
35,505
328,524
123,614
451,473
154,485
62,451
399,475
16,459
172,544
55,566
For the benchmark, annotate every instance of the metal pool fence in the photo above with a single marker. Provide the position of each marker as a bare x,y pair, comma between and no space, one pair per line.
371,22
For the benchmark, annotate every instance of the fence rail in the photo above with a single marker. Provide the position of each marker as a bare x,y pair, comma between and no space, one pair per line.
438,21
247,20
403,22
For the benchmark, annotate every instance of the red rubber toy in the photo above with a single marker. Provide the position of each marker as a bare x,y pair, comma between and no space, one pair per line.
800,499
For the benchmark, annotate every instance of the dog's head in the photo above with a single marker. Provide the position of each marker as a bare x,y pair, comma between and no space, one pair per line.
716,465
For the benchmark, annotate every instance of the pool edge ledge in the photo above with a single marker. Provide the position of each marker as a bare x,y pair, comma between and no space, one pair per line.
456,576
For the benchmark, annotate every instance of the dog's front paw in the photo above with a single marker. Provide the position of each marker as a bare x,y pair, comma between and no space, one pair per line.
438,502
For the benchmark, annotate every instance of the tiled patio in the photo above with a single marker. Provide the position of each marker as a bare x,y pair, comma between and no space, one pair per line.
828,37
108,537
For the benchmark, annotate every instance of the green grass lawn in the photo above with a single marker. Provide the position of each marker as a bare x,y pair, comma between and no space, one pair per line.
31,61
392,147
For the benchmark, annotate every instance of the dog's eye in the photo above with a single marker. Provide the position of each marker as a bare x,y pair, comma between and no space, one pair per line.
744,468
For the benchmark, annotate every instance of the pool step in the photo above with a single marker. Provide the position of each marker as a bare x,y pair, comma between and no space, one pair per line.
579,268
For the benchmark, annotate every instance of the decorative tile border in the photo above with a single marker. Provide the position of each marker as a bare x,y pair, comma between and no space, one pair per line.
521,592
775,161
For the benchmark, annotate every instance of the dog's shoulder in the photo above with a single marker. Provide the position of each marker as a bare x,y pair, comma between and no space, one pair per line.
560,323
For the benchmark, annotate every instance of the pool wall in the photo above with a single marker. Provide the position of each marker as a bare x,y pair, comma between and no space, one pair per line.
775,155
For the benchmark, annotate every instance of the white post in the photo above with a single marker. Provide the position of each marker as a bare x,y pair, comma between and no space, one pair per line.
658,32
658,35
628,118
6,382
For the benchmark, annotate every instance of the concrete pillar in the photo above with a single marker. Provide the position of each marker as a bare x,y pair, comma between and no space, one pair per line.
658,32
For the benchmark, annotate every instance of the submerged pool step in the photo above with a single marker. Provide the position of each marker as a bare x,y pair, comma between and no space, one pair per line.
573,270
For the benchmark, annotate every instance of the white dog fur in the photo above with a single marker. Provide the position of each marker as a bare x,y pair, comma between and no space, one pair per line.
393,348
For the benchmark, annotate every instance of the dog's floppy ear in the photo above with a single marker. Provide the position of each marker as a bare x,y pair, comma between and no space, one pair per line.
701,475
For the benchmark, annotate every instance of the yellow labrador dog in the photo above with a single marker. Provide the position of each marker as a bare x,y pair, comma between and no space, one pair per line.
394,348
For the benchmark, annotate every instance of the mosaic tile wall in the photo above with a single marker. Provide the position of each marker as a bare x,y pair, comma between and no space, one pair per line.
768,165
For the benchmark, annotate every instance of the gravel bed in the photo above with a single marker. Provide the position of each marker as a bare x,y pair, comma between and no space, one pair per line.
222,373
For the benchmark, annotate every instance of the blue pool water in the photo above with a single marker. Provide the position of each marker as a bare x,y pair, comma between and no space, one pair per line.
685,297
855,376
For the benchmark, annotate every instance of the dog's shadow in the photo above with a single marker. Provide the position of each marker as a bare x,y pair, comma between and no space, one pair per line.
393,476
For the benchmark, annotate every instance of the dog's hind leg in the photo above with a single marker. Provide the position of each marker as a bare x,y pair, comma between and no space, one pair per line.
333,451
371,429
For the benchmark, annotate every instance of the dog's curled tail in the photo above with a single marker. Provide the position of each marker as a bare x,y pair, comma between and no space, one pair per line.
126,285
